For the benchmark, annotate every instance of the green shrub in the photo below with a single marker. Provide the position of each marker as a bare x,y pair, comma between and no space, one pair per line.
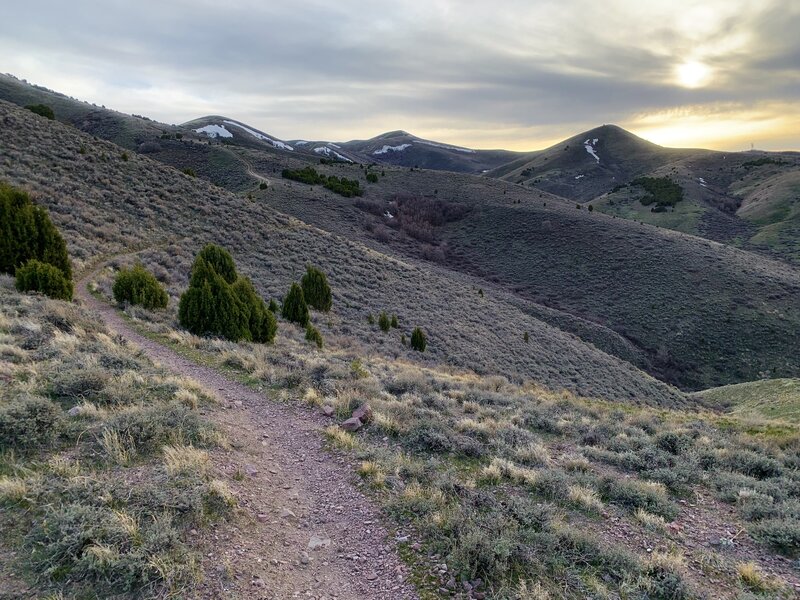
209,306
394,323
189,171
634,494
262,185
28,423
383,321
783,534
138,286
27,232
316,290
273,307
295,309
35,276
660,190
220,260
261,323
42,110
419,341
372,177
313,335
224,305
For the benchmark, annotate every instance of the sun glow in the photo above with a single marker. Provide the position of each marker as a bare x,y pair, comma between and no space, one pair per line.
692,74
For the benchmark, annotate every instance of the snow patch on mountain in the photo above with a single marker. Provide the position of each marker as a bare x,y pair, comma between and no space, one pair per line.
261,136
589,145
300,143
330,152
213,131
386,149
446,146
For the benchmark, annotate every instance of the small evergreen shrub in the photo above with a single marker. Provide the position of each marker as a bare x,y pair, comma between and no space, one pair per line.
313,335
316,290
383,321
42,110
220,260
261,324
273,307
295,309
27,232
35,276
394,323
138,286
419,340
372,177
224,305
262,186
189,171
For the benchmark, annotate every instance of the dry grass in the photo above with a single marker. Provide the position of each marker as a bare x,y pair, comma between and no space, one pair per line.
186,460
585,497
340,438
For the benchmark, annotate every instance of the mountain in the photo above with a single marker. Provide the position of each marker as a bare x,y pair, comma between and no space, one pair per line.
228,130
403,149
634,292
588,164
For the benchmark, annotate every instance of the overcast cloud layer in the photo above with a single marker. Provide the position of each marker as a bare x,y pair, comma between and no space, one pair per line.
508,73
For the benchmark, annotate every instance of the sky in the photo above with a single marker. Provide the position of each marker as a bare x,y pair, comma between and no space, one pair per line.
515,74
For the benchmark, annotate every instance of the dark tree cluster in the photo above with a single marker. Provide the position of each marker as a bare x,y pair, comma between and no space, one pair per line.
31,247
661,191
339,185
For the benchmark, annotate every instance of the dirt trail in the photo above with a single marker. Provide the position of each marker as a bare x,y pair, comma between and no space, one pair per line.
307,531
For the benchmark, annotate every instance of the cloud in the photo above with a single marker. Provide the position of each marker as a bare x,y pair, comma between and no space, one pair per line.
508,73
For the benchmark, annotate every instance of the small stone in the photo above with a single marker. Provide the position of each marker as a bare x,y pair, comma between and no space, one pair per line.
287,514
351,424
317,542
262,518
304,558
372,576
363,413
250,470
327,410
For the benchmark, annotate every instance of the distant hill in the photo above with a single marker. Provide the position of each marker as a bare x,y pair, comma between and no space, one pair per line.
406,150
588,164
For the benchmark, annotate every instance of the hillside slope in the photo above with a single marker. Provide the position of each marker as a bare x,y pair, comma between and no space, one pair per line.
105,204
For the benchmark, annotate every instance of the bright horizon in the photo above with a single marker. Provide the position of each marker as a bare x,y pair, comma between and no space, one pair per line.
515,75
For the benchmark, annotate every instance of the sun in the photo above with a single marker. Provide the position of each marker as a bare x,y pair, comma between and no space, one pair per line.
692,74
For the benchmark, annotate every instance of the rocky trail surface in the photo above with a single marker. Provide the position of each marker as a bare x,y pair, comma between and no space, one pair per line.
305,529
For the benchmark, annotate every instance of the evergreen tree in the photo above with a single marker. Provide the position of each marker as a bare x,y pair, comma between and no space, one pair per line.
295,308
220,260
313,335
261,322
383,321
316,290
42,110
138,286
395,324
418,340
27,232
36,276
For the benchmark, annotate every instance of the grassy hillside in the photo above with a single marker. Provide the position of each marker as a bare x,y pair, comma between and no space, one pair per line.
106,205
769,398
640,292
98,491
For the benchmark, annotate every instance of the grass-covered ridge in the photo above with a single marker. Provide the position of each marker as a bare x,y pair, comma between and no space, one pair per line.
102,466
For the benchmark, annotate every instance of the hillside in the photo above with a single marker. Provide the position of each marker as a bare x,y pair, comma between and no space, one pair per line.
588,164
107,204
527,246
489,478
403,149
